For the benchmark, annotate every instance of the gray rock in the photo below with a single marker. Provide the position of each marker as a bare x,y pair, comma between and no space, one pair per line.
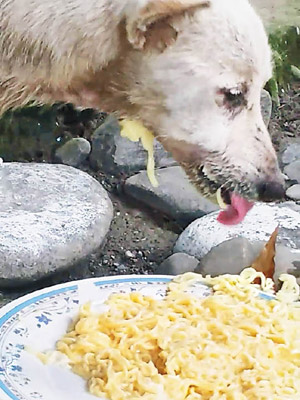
293,171
205,233
238,253
175,196
287,261
293,192
51,216
291,153
230,257
114,154
132,156
74,152
266,106
177,264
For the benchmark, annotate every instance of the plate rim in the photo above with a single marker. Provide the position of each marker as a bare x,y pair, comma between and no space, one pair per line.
13,307
16,305
72,285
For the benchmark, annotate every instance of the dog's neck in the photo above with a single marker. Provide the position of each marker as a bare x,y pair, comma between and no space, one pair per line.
107,88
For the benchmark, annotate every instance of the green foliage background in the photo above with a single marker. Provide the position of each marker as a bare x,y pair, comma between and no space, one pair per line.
285,44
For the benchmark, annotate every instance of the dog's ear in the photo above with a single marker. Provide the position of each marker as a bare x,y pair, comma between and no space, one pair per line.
148,27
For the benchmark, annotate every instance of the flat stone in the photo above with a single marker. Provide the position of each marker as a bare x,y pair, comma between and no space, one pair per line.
177,264
74,152
293,171
293,192
266,106
51,216
205,233
291,153
175,196
115,154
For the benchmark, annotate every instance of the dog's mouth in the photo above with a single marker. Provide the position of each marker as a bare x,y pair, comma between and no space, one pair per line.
233,197
235,188
234,207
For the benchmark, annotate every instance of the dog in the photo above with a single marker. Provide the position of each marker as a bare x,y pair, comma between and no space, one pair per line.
190,70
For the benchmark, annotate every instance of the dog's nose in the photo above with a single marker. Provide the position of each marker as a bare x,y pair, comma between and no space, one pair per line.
270,191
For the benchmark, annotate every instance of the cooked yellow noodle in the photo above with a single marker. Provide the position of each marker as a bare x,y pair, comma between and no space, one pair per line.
232,345
135,131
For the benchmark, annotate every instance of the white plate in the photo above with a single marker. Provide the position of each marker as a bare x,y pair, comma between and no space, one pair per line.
38,320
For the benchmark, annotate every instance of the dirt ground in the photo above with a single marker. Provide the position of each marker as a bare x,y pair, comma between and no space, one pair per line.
285,122
278,12
140,238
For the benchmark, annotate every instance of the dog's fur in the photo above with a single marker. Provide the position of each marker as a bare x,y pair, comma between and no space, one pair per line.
191,70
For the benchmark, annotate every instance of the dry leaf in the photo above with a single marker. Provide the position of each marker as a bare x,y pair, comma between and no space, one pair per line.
265,261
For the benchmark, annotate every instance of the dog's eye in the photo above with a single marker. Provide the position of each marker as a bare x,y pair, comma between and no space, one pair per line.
232,99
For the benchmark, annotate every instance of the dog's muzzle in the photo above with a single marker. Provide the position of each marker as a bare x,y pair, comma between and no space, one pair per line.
270,191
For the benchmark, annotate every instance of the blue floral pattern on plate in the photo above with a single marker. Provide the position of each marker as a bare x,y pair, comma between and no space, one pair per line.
33,323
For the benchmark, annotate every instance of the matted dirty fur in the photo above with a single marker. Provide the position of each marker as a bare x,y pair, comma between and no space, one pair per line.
191,70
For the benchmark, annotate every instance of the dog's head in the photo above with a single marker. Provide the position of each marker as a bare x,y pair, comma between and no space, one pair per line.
199,67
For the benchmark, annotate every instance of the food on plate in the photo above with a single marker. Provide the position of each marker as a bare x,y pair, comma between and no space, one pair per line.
233,344
135,131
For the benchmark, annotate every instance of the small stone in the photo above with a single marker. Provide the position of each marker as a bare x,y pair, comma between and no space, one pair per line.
266,106
291,153
205,233
51,217
115,154
121,267
293,171
290,134
74,152
175,196
293,192
177,264
129,254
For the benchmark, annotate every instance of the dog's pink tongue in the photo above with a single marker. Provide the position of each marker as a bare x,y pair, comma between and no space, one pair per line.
236,212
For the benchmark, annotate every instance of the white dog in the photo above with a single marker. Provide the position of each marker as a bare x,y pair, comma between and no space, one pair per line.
191,70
